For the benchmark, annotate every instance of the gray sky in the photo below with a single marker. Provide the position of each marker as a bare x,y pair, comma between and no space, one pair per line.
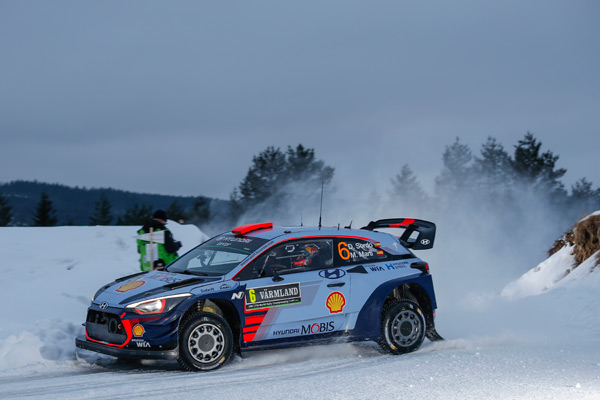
175,97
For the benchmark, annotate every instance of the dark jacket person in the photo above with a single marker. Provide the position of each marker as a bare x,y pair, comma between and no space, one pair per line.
155,243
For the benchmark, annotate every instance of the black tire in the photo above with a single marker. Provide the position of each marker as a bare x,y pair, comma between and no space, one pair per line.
205,342
402,327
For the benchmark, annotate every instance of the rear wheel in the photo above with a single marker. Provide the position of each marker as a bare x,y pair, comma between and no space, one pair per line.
205,342
402,327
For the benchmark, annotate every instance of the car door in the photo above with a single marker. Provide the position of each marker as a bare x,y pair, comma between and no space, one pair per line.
363,260
295,294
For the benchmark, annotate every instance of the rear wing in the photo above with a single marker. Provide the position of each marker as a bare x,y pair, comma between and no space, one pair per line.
425,231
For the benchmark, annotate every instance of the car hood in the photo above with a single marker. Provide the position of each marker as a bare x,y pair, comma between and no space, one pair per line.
148,285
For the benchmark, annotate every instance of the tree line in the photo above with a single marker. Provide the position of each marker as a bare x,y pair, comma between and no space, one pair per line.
45,214
26,203
497,178
497,184
283,182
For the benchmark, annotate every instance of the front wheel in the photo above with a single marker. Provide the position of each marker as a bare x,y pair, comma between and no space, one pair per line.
205,342
402,327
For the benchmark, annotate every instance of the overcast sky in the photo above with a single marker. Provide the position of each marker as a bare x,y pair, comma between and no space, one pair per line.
175,97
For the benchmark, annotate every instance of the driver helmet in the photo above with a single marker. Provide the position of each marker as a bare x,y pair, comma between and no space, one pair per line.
306,256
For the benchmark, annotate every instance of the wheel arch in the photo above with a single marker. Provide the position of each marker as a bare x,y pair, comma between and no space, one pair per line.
221,307
415,292
418,289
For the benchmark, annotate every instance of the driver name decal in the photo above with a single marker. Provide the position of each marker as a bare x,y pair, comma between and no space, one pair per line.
273,296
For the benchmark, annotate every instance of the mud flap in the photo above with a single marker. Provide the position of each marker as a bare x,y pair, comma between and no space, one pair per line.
432,335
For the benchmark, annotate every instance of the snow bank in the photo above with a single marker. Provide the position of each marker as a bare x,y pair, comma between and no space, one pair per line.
591,215
20,350
49,275
560,269
565,291
543,277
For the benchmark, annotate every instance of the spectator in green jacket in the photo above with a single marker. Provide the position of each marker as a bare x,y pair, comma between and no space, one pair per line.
156,246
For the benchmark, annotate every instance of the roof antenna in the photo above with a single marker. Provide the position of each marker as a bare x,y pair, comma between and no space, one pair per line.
321,211
349,226
301,224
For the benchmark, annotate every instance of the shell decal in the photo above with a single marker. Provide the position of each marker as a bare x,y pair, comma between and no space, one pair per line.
138,330
335,302
129,286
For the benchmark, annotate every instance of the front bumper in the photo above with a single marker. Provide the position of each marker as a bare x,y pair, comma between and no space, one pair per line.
141,354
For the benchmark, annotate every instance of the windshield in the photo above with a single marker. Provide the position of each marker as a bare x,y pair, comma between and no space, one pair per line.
217,256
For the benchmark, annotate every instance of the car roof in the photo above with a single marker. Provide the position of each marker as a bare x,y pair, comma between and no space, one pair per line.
291,232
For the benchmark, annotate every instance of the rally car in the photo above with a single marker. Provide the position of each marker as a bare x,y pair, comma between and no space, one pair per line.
261,287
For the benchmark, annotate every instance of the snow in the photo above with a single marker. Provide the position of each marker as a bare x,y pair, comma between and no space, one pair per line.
50,275
590,215
547,274
538,338
557,271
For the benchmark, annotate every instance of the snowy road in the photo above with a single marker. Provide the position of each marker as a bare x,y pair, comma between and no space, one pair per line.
455,369
540,347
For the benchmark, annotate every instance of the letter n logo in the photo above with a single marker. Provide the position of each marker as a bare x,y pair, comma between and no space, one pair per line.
237,296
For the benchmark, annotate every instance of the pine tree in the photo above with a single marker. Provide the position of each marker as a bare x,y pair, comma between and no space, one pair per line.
537,170
583,198
5,211
582,189
455,174
406,188
492,172
137,215
235,207
276,177
264,177
302,166
201,211
102,215
175,212
45,215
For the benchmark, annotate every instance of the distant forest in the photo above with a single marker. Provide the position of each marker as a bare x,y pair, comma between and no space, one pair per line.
32,203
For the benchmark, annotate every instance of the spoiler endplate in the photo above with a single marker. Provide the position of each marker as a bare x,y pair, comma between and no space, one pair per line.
425,231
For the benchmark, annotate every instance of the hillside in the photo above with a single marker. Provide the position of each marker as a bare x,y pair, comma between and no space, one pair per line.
75,205
573,261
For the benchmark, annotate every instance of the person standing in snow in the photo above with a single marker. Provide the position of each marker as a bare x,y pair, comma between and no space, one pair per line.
156,244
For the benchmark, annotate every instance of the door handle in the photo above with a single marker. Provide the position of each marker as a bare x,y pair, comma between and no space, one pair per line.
339,284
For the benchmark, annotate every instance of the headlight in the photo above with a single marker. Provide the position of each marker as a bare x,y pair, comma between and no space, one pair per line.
157,305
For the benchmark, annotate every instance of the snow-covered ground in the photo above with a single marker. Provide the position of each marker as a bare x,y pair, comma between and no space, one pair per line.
538,338
555,272
48,277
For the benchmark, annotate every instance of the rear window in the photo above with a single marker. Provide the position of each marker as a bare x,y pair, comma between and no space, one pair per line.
352,251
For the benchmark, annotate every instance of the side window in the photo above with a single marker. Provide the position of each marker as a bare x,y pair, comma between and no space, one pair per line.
294,256
354,251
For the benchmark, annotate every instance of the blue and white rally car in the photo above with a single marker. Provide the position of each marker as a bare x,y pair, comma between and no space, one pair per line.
260,287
